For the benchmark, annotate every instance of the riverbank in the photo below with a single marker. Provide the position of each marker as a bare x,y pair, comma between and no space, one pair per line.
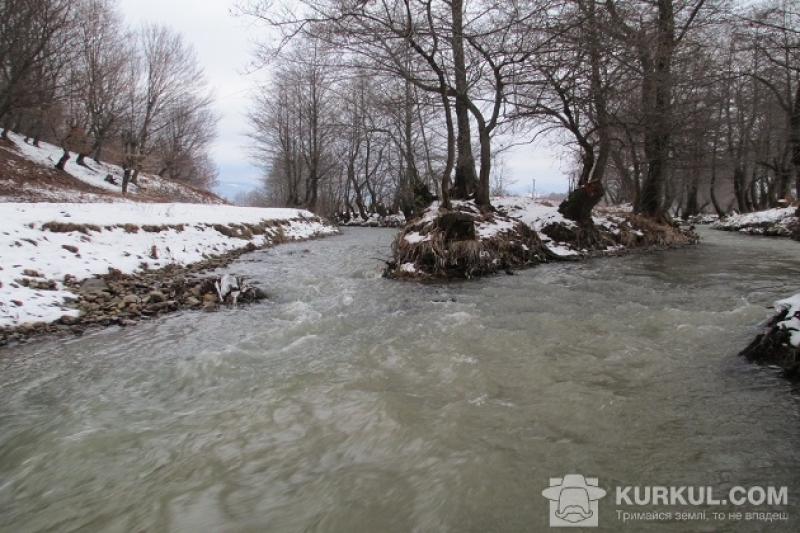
66,267
464,242
780,222
373,220
778,344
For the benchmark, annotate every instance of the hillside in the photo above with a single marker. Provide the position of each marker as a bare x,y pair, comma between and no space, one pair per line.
28,174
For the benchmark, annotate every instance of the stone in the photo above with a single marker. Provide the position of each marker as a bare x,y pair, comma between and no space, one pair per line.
70,248
210,298
69,320
94,285
156,297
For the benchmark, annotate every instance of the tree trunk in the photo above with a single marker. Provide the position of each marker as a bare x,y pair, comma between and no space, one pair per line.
712,188
97,152
126,178
466,180
62,163
580,203
82,160
482,193
659,118
739,189
691,208
794,139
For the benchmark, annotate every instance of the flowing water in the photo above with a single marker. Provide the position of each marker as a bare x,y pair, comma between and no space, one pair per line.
351,403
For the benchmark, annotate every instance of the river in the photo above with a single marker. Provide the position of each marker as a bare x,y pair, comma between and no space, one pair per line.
352,403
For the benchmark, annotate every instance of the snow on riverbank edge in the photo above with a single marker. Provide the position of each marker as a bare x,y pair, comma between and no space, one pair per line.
42,245
791,322
779,222
778,343
465,242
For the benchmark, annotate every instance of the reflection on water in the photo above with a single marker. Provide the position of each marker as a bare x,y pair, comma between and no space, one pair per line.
351,403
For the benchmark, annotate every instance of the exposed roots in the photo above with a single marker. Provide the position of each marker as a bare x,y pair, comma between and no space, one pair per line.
772,347
639,231
629,231
463,243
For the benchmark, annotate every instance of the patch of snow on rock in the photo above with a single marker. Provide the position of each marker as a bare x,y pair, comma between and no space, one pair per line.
792,322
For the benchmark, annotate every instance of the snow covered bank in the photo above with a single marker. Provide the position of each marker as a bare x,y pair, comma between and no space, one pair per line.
374,220
780,222
790,308
101,181
778,344
463,243
522,232
618,229
43,246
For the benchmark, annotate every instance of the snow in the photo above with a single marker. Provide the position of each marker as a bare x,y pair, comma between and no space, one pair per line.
187,236
47,155
374,220
792,322
539,214
228,285
534,213
490,229
408,268
776,220
414,237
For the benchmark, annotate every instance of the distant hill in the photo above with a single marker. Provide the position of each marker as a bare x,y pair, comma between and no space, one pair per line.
28,174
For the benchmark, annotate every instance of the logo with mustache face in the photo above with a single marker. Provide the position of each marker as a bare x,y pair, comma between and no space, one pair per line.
573,501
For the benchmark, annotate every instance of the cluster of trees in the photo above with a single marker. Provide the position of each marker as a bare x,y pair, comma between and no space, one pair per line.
671,105
72,73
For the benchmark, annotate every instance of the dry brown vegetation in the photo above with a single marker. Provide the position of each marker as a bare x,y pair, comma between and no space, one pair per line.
449,245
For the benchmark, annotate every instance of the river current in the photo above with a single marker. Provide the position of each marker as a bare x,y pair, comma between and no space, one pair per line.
351,403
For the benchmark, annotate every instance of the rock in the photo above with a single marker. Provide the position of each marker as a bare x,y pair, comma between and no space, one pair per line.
210,298
191,301
70,248
155,297
94,285
130,299
31,273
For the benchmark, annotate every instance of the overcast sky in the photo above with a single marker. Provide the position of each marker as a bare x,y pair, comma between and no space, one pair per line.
224,43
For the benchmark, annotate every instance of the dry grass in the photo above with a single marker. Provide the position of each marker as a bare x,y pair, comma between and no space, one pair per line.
450,248
653,234
446,244
633,231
